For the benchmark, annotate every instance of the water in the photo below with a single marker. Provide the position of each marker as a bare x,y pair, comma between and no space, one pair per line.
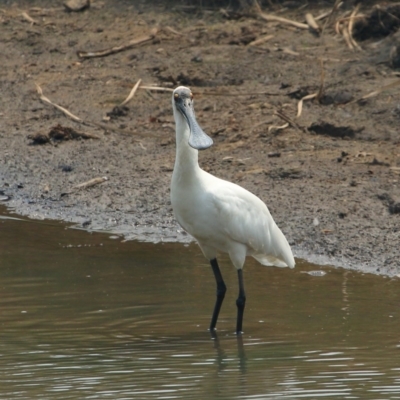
86,316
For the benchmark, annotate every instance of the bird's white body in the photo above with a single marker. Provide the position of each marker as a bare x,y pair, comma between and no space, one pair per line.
221,215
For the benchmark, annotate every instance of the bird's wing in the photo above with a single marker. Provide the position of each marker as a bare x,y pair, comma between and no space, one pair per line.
246,219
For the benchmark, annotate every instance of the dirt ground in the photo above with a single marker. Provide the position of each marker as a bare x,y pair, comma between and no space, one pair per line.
330,177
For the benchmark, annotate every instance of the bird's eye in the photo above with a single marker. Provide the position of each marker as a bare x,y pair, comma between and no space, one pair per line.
176,96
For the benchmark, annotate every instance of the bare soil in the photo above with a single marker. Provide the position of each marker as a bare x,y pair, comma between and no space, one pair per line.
330,178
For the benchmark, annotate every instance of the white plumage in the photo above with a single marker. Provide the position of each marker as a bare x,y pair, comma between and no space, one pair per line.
220,215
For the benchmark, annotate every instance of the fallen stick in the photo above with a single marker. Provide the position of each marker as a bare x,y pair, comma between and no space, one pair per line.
62,109
278,127
283,116
117,49
347,19
346,35
287,50
268,121
223,93
274,18
335,8
350,28
172,30
261,40
92,182
157,88
323,15
90,123
338,28
376,92
132,93
312,23
300,103
28,18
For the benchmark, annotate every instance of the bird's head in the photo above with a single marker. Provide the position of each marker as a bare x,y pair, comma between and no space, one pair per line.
182,104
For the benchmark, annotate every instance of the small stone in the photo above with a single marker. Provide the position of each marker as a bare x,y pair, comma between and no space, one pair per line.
76,5
315,273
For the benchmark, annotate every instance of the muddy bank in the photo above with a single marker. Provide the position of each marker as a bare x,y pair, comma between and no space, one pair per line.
330,176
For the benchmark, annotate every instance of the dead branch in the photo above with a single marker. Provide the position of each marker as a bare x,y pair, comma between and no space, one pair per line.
300,103
275,128
28,18
117,49
346,35
283,116
132,93
274,18
350,27
335,8
312,23
62,109
261,40
323,15
376,92
288,50
255,126
91,182
156,88
172,30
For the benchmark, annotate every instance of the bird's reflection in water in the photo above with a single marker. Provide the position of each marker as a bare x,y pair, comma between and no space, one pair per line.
222,356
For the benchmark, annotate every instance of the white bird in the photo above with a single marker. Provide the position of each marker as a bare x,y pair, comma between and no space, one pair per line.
220,215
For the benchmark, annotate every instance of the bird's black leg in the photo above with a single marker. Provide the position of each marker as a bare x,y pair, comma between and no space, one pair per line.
240,303
221,290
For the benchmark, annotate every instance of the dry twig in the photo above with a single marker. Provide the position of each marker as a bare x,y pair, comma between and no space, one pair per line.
276,128
172,30
345,25
346,35
157,88
288,50
117,49
312,23
90,123
376,92
274,18
300,103
259,124
62,109
28,18
323,15
261,40
350,27
335,8
91,182
283,116
132,93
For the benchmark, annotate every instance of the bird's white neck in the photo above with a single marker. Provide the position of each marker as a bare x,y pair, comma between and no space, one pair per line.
186,161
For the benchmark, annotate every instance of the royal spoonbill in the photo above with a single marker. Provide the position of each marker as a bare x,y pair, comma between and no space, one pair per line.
220,215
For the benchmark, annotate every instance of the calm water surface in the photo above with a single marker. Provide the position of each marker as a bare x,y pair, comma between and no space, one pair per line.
86,316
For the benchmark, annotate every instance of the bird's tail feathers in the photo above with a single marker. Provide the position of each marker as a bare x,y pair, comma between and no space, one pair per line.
269,260
279,254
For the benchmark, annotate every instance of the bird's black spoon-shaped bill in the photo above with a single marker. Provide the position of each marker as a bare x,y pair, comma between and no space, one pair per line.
198,138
